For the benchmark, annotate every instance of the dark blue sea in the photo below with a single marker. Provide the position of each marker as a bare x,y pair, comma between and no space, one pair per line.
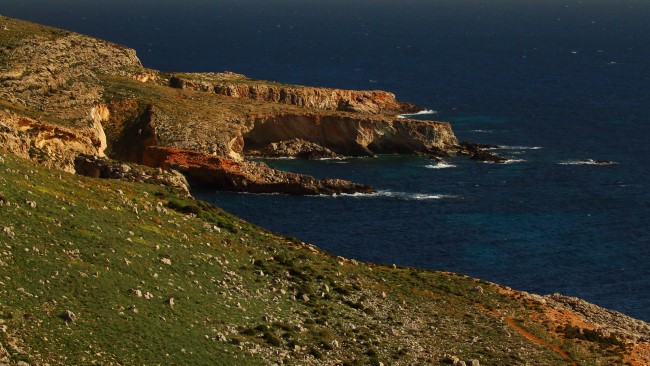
559,84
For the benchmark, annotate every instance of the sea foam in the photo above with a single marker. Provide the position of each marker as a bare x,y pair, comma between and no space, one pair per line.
506,147
420,113
403,196
588,162
439,165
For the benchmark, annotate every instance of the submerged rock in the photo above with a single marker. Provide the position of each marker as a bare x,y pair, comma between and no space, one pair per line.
479,152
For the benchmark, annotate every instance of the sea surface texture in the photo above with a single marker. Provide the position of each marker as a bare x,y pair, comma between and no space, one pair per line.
562,85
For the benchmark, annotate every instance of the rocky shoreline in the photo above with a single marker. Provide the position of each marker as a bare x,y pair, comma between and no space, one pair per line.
90,97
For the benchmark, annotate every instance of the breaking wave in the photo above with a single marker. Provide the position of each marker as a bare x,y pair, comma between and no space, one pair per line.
506,147
439,165
402,196
424,112
508,161
588,162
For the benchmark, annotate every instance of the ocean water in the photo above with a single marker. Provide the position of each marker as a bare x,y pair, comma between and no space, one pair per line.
560,84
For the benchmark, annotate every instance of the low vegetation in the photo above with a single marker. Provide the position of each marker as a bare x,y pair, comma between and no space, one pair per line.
110,272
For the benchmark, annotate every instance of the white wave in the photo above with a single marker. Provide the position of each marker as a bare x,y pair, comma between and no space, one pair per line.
274,158
507,161
588,162
440,165
482,131
514,161
424,112
404,196
506,147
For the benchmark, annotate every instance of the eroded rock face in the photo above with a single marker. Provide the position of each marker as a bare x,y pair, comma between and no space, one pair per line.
239,86
53,146
295,148
352,134
228,175
91,97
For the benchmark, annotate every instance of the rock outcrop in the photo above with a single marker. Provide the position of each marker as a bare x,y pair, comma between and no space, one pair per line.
98,167
228,175
479,152
67,94
352,134
52,145
57,73
294,148
239,86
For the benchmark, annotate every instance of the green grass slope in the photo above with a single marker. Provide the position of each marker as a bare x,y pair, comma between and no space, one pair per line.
153,278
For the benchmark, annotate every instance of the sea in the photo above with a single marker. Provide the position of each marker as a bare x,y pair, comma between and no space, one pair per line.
562,86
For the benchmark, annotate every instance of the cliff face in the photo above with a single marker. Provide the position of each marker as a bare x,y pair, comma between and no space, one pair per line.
52,91
107,103
352,135
238,86
53,146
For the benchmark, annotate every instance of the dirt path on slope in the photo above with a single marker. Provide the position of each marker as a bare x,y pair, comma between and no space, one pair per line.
527,335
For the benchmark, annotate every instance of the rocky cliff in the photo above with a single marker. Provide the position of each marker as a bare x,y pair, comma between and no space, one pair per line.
239,86
101,92
350,134
52,145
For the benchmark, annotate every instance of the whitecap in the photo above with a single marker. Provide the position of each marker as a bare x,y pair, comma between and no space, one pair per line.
440,165
420,113
403,196
514,161
481,131
587,162
507,161
506,147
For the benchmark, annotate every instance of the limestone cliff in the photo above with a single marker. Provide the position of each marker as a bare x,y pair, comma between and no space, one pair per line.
350,134
100,93
53,146
239,86
52,91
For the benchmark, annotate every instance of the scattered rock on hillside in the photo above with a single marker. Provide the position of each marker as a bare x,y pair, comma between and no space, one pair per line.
8,231
100,167
68,316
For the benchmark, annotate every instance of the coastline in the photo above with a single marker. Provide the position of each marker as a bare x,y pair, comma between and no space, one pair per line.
325,287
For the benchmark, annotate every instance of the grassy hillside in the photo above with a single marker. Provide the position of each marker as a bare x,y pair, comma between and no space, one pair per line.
152,278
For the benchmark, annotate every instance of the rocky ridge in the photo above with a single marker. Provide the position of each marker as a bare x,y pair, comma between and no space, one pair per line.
240,86
100,90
